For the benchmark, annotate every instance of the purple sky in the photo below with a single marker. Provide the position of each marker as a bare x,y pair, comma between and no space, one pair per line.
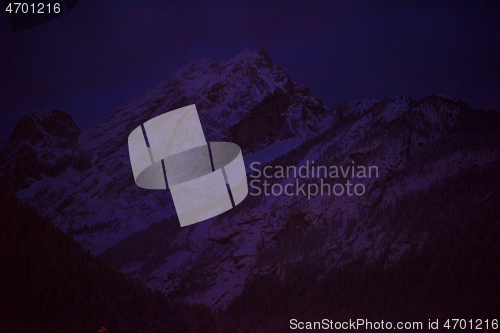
103,54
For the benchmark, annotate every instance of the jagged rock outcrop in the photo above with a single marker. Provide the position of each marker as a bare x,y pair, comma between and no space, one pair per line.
98,191
42,143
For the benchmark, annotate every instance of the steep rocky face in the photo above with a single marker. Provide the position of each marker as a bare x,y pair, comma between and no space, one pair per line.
42,144
226,93
413,143
279,116
98,192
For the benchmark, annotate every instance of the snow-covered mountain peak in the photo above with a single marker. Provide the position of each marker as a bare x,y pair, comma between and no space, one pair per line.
233,98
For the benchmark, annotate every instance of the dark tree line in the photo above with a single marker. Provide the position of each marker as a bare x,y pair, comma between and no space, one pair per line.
49,283
454,274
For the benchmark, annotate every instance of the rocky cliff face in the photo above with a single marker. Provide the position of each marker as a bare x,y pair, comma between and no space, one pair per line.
42,144
251,101
236,100
413,144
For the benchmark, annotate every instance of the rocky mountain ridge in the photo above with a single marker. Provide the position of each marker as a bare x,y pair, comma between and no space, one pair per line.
413,143
251,101
42,144
233,99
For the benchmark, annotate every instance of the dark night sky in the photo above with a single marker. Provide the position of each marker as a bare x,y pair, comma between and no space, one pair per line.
103,54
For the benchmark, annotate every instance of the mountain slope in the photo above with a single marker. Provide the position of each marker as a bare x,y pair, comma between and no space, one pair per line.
234,97
49,283
413,143
454,274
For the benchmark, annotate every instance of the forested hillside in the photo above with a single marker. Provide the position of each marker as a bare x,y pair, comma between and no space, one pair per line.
451,268
49,283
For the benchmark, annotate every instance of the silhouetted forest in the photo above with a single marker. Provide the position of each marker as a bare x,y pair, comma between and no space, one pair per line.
49,283
455,273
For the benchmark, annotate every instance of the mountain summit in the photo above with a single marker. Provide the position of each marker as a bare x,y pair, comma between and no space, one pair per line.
247,100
